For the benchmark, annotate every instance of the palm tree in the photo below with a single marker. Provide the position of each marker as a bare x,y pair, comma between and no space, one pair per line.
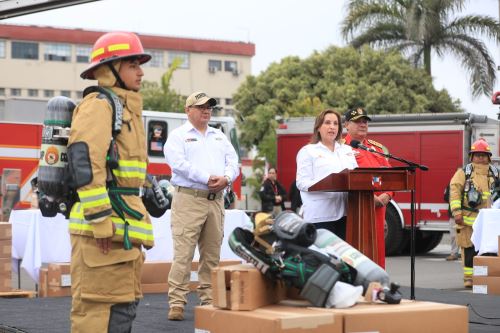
419,27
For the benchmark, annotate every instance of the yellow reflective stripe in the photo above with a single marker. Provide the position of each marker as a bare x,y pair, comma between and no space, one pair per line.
455,204
469,220
468,270
97,52
92,192
131,169
96,203
118,47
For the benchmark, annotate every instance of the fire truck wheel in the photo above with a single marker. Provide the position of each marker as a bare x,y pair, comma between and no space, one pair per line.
394,233
427,240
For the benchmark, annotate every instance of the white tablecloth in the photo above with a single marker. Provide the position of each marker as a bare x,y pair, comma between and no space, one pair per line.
486,230
37,239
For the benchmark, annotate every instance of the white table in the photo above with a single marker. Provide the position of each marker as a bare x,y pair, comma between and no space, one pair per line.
37,239
486,230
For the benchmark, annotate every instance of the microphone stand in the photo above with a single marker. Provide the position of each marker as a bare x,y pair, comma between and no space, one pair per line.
411,167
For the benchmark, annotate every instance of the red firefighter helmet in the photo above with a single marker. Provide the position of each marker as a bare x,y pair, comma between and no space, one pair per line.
113,46
480,146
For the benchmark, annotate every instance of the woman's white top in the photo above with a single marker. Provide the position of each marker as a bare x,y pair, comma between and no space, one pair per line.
315,162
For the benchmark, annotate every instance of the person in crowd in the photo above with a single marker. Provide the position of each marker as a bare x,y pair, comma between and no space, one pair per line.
356,123
324,155
469,192
272,194
294,196
106,256
203,164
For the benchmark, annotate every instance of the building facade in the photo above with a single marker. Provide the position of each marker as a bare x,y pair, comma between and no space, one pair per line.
38,63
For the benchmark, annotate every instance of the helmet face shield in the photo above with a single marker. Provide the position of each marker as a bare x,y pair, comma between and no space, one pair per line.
115,46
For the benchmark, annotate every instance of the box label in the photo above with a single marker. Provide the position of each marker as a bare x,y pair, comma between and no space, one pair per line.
65,280
481,270
199,330
480,289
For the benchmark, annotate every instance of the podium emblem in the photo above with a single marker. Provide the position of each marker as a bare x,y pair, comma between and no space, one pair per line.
377,182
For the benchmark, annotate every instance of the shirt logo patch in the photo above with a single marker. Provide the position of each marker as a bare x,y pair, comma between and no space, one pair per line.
218,139
191,139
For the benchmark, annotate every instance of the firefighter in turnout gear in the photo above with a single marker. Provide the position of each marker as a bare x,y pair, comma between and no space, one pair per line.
469,192
107,163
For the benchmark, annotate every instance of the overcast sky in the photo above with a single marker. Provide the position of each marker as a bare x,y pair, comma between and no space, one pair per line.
278,28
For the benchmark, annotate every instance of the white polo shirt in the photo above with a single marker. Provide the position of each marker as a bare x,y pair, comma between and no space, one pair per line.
193,157
315,162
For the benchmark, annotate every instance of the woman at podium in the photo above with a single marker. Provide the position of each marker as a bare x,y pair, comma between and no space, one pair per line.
324,155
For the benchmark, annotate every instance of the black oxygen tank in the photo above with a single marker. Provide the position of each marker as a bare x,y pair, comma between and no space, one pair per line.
53,152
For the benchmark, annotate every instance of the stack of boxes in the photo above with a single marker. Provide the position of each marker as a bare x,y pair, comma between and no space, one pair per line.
55,280
245,301
486,279
5,256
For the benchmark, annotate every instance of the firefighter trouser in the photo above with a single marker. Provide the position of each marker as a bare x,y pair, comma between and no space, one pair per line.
468,254
103,286
195,221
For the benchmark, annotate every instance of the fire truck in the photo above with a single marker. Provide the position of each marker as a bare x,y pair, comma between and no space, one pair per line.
20,146
439,141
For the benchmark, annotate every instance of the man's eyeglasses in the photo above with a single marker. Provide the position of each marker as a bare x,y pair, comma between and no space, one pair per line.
203,107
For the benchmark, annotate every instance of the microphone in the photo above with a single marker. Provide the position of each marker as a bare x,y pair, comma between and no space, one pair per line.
357,144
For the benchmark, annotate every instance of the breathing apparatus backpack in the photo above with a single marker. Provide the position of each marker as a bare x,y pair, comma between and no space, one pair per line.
56,181
474,197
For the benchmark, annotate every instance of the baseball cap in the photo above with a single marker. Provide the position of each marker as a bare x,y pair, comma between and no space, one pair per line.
200,98
355,114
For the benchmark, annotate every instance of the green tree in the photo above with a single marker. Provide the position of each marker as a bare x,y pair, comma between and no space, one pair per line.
162,98
418,28
383,82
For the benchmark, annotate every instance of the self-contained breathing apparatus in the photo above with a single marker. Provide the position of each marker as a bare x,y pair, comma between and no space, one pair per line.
475,197
290,250
61,169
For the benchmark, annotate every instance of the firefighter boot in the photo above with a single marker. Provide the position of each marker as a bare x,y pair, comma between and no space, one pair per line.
176,313
468,283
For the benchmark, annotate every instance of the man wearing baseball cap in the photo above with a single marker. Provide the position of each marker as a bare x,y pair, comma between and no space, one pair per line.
203,164
356,123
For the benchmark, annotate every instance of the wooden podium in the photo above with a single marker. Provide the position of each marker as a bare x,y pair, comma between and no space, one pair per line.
361,183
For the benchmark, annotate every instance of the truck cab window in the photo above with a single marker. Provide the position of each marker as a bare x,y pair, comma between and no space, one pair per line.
157,136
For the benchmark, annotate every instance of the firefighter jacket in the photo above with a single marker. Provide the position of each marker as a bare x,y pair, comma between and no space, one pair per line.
481,178
95,214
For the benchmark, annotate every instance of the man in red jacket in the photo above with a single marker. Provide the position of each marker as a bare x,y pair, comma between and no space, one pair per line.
356,123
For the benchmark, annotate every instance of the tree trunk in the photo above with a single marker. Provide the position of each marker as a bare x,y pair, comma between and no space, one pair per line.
427,58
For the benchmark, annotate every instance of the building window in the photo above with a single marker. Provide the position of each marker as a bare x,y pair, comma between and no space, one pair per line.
57,52
184,56
2,49
229,101
66,93
83,53
33,92
79,95
231,66
24,50
2,91
214,65
15,92
48,93
156,58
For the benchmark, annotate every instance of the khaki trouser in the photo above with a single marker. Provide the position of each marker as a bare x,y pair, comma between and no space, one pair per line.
98,281
194,221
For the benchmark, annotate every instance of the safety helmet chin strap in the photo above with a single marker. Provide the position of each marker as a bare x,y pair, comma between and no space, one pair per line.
117,76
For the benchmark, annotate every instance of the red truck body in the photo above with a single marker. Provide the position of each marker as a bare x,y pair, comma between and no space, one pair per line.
439,141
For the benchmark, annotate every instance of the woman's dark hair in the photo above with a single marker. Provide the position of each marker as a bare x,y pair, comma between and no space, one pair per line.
316,137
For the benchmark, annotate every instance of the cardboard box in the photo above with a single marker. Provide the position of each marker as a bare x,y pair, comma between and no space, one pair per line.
268,319
488,285
59,275
407,317
243,287
47,290
6,248
486,266
5,231
5,274
154,277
